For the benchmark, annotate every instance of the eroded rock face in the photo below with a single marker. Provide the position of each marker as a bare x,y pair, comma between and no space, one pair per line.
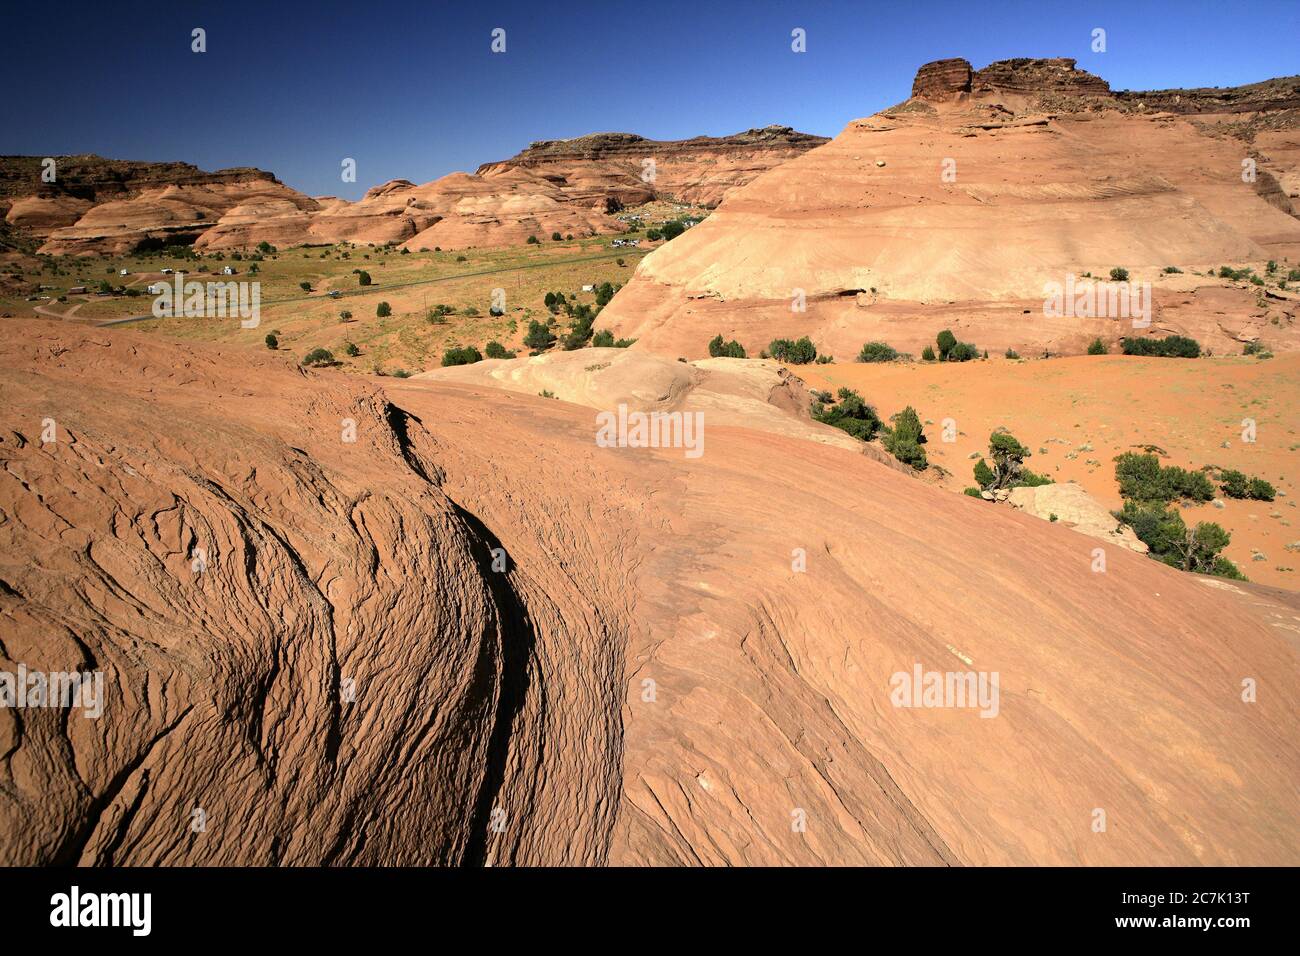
657,677
942,78
700,170
884,233
565,186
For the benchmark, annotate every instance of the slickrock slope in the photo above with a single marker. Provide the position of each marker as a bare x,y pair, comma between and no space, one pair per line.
760,395
955,209
525,692
699,171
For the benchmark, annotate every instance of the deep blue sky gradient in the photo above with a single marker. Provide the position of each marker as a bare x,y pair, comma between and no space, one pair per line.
411,90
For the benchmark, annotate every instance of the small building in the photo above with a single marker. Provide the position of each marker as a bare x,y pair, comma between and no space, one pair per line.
123,272
167,272
230,271
77,290
588,288
156,288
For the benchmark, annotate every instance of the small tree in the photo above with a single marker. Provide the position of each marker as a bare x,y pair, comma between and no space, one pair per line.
532,240
799,352
1097,347
905,439
363,278
495,350
467,355
318,357
556,237
350,350
271,341
877,352
383,310
946,340
539,337
927,354
1118,274
305,286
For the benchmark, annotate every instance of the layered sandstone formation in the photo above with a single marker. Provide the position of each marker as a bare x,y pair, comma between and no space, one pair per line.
436,623
98,205
958,207
699,171
566,186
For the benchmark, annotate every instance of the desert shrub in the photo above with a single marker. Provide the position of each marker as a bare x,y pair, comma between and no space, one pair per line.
1097,347
1142,478
467,355
1261,490
1171,270
1118,274
400,373
604,339
363,278
350,350
945,340
1012,354
556,237
972,492
963,352
318,357
850,414
877,352
1008,469
905,438
800,352
305,286
720,349
539,336
1236,275
1170,541
1173,346
1254,348
623,343
271,341
383,310
927,354
495,350
1293,275
345,316
604,292
532,240
1234,483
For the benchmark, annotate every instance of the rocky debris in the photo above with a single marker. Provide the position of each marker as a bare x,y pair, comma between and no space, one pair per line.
1029,76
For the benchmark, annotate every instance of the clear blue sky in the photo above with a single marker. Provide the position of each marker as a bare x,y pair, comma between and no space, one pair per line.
411,89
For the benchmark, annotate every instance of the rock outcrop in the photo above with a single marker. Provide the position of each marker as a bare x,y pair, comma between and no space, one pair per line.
965,211
699,171
435,623
565,186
